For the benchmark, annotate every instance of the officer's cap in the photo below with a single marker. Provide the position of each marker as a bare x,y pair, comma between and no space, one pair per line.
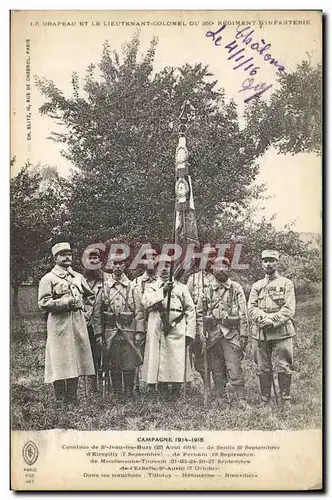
270,254
60,247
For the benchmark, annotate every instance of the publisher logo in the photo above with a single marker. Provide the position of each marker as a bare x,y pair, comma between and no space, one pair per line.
30,452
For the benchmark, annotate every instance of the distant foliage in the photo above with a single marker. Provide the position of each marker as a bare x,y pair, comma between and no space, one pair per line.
37,210
292,120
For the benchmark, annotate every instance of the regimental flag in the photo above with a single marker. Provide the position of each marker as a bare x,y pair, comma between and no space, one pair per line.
185,218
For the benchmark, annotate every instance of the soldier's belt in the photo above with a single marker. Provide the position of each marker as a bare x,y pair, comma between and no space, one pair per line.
230,322
124,318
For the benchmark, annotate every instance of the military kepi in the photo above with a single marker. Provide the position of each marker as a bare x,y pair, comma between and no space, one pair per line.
60,247
270,254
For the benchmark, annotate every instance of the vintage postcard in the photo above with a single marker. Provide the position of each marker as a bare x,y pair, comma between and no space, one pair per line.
166,303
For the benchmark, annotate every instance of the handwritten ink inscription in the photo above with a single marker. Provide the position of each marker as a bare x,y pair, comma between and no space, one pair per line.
243,59
259,88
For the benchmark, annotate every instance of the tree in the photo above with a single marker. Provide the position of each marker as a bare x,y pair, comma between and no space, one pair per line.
37,210
119,131
292,120
119,136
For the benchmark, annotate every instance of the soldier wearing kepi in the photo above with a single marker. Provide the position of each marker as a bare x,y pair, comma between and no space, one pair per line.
271,308
66,296
227,327
197,283
119,315
166,358
95,278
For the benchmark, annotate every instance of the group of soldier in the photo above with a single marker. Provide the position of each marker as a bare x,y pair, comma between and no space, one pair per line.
161,329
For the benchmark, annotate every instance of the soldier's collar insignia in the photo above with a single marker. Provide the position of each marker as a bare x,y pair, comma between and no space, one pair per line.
124,281
59,271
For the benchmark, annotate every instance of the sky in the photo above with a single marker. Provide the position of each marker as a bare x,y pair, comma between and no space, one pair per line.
57,47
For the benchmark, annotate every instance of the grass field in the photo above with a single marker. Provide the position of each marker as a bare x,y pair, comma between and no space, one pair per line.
33,403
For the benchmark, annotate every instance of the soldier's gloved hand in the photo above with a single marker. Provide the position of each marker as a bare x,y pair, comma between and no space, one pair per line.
266,322
189,341
99,340
71,303
243,343
74,305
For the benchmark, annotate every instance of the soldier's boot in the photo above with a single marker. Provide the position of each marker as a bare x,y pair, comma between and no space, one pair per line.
152,393
93,383
60,392
241,401
128,380
265,382
72,391
220,385
285,380
176,390
116,377
163,390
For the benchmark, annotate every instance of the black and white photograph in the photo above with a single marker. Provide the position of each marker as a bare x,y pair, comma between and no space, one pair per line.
166,248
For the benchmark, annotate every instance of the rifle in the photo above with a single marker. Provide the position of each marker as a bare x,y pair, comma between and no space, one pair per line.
205,353
103,369
137,381
137,369
268,351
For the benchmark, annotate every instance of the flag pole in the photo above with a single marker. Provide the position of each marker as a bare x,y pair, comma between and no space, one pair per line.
180,161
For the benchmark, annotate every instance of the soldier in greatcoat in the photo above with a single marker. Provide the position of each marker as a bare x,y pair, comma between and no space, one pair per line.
66,296
117,319
166,359
271,309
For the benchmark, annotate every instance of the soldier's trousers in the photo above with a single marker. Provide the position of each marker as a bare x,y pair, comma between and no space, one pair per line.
225,353
196,349
121,355
280,352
